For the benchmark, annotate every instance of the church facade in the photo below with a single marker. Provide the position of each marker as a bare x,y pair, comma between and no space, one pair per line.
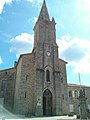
37,84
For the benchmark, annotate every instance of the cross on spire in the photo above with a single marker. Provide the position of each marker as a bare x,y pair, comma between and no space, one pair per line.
44,12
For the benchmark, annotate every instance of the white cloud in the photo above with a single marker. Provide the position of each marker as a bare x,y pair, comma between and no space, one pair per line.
21,44
30,1
35,2
0,60
24,37
83,12
83,5
3,2
35,20
76,51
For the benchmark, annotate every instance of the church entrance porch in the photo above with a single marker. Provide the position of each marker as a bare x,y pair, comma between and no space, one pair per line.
47,103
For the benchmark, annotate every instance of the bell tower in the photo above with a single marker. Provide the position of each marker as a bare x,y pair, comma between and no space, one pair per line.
44,30
48,88
41,26
45,37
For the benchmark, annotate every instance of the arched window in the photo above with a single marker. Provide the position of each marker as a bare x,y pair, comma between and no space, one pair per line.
76,93
47,75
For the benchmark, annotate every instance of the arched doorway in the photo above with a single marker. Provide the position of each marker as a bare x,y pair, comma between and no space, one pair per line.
47,103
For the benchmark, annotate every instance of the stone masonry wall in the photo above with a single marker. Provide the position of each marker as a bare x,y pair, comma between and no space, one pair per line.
64,91
18,78
7,86
24,97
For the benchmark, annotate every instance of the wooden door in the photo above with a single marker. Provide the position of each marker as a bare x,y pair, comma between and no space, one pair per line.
47,103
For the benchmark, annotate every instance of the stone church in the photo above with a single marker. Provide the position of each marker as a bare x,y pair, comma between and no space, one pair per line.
37,84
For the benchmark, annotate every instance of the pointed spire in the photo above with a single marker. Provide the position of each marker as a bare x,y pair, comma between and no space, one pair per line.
44,12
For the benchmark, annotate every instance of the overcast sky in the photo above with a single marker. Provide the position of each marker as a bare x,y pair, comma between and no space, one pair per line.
17,19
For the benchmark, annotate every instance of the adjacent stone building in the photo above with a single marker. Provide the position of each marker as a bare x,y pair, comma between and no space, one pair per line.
7,88
37,85
73,92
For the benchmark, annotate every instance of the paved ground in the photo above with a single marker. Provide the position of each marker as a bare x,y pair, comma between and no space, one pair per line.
6,115
42,118
54,118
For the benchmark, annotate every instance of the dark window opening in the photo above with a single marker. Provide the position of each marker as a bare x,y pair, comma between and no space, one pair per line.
26,77
47,75
76,93
5,73
70,93
25,94
63,96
